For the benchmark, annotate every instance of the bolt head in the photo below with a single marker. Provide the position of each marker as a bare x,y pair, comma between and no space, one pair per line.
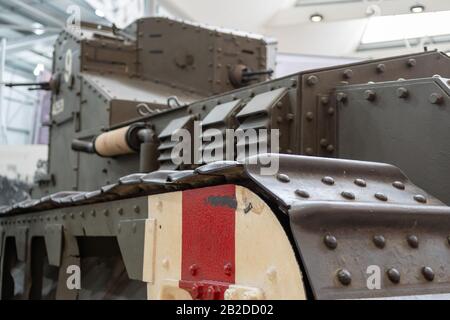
411,62
360,183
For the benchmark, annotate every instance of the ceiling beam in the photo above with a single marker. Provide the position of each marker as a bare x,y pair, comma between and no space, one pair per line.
35,13
27,42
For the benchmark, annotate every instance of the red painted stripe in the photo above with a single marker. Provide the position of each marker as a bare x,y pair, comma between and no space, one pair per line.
208,235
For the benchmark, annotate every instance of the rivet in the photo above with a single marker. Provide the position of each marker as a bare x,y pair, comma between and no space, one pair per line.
330,241
272,273
312,80
344,277
120,211
428,273
193,269
436,98
347,74
106,212
413,241
82,214
325,101
330,111
323,142
381,68
379,241
420,198
93,213
283,177
402,92
399,185
328,180
341,97
411,62
393,275
309,116
360,183
309,151
369,95
165,263
137,209
348,195
381,196
228,269
302,193
330,148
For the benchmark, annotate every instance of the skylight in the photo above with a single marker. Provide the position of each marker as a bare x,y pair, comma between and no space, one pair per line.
406,26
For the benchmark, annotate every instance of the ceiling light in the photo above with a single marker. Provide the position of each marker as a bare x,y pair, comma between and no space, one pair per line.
316,17
99,13
38,28
417,8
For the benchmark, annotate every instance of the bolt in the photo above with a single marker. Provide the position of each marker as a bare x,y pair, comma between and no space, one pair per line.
393,275
344,277
330,241
379,241
360,182
428,273
402,92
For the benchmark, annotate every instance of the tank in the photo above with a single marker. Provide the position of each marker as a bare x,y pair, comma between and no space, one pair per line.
181,171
